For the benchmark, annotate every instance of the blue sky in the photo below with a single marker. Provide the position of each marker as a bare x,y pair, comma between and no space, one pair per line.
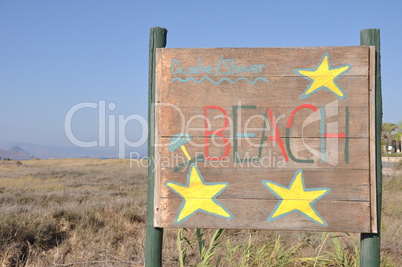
55,54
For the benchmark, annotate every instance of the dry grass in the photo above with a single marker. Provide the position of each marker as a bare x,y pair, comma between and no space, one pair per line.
391,225
91,212
81,211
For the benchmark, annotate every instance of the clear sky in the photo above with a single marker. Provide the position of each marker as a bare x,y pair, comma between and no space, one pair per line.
55,54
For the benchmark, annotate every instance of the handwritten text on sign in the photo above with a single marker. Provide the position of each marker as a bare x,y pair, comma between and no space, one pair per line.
264,138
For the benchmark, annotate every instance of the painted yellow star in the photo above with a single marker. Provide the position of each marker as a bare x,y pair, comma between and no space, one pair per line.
323,77
296,198
199,196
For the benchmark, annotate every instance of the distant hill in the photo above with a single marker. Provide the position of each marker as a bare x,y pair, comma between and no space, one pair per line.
45,152
15,153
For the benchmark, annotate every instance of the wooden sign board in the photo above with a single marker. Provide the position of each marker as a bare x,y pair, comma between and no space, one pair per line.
265,138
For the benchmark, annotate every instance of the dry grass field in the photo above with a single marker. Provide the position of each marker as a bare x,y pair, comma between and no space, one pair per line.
91,212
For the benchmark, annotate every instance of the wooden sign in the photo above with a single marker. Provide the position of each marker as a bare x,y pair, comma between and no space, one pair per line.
265,138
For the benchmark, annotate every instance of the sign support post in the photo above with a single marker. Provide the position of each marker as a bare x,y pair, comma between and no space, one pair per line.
154,236
370,242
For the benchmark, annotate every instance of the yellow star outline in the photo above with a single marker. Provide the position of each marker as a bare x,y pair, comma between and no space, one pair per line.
199,196
296,198
323,77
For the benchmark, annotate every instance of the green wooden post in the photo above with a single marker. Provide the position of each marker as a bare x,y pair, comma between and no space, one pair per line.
370,243
153,246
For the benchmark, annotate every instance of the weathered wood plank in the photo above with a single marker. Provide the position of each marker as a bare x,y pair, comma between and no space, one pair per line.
279,91
276,61
373,136
305,149
350,185
253,214
314,177
255,190
260,121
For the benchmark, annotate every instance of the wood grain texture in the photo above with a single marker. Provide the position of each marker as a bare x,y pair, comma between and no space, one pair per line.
190,119
246,183
249,122
261,94
301,148
373,156
253,214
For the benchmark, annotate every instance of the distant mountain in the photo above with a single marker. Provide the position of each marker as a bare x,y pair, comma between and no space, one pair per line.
15,153
45,152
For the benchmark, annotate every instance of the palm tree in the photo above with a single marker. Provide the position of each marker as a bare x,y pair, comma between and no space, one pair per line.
387,131
397,138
